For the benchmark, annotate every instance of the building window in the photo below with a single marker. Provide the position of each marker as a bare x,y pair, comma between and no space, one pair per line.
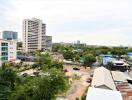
4,53
4,49
4,44
4,58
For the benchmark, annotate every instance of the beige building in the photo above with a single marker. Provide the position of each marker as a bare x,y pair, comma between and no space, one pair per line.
34,35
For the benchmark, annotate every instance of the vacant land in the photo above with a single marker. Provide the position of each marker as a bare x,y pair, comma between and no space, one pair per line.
78,84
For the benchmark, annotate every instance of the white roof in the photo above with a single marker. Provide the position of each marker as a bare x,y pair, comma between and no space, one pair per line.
102,94
118,61
66,61
103,77
120,76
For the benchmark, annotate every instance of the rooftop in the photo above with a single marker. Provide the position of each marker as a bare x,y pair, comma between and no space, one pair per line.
103,79
103,94
120,76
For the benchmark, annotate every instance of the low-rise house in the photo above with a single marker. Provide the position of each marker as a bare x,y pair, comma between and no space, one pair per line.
120,76
121,80
120,65
110,85
102,78
105,58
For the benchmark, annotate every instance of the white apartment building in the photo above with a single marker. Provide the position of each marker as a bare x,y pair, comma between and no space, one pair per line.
34,35
8,51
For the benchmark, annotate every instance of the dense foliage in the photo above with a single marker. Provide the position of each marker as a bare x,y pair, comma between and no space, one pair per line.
89,59
74,53
95,50
41,88
8,81
45,87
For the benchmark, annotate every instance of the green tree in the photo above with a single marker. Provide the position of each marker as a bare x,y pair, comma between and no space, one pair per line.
57,65
50,86
127,58
89,59
8,80
68,54
42,59
42,88
110,66
77,58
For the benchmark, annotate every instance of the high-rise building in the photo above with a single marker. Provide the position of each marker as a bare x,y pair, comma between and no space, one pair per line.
9,35
78,42
34,35
7,51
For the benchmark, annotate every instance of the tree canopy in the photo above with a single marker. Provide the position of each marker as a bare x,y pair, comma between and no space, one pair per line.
89,59
8,81
41,88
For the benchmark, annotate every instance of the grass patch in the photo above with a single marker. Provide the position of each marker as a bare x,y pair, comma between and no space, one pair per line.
75,77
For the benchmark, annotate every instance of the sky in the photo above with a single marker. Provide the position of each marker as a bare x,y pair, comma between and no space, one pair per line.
95,22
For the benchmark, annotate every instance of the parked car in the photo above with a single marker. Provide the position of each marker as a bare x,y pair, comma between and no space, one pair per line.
129,81
89,80
75,68
36,73
25,74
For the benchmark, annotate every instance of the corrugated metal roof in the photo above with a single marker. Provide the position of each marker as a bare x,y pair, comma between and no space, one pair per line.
120,76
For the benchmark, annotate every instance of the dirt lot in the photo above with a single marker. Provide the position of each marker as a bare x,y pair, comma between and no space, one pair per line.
78,86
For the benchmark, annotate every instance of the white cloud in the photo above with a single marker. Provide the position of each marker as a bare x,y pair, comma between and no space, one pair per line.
114,37
50,10
54,12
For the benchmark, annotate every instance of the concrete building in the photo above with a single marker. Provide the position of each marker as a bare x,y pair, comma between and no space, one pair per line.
9,35
34,35
8,51
79,44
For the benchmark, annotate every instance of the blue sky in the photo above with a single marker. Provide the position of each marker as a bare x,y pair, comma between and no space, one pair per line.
96,22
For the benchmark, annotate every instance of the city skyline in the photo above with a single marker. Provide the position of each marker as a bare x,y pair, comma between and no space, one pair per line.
96,22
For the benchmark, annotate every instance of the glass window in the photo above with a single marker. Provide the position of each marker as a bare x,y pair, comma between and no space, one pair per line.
4,53
4,44
4,49
4,58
